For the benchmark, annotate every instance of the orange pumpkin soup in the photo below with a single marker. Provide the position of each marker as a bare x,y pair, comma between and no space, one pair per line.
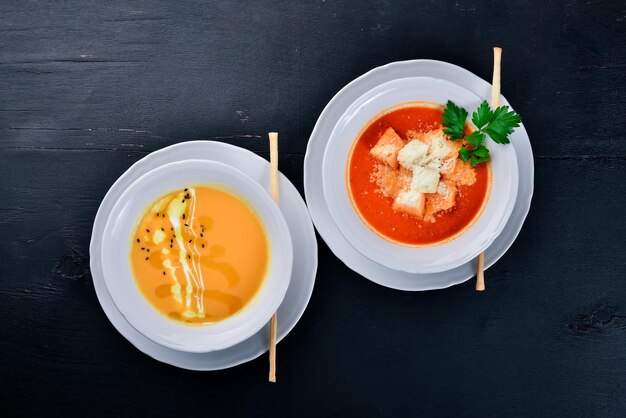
407,182
199,255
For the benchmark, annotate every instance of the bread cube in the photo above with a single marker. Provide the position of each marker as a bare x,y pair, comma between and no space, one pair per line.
454,146
413,154
438,147
425,180
449,162
411,202
404,179
462,173
386,178
387,148
444,199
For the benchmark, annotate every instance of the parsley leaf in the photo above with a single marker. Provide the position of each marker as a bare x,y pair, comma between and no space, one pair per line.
480,154
502,124
498,124
453,119
482,115
481,151
475,138
464,153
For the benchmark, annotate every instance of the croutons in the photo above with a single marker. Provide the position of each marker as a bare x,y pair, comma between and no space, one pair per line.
387,148
404,178
386,179
422,175
462,173
438,147
411,202
412,154
444,199
450,160
424,180
389,181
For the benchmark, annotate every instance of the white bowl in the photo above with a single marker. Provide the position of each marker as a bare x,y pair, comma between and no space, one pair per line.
116,246
420,260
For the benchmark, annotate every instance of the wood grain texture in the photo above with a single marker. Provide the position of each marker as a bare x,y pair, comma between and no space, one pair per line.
87,88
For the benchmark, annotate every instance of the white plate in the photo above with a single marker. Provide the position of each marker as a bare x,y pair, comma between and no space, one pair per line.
314,189
118,240
422,260
304,262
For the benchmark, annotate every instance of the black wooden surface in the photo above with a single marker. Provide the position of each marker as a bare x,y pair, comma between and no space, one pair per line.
88,87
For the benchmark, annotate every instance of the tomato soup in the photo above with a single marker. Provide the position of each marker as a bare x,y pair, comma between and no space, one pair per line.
200,254
377,209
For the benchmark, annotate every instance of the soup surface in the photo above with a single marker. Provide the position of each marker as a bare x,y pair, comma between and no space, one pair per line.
375,179
199,255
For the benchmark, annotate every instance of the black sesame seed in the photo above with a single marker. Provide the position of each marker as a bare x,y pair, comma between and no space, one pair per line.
174,235
171,229
187,225
201,234
162,229
147,230
138,240
201,226
202,245
164,273
148,249
164,215
147,258
183,216
158,214
183,201
143,248
190,241
171,240
186,189
171,246
188,256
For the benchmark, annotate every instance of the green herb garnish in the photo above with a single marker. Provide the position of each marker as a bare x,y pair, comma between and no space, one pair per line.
498,124
454,121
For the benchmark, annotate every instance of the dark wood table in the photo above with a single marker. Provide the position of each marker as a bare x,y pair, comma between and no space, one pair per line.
89,87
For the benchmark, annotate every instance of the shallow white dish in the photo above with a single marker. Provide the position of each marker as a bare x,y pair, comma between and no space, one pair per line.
117,241
314,189
421,260
302,277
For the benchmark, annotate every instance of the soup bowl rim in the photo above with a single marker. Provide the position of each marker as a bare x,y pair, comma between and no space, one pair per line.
372,244
119,278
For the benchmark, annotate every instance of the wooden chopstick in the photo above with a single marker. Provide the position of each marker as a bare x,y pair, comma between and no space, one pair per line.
495,102
274,191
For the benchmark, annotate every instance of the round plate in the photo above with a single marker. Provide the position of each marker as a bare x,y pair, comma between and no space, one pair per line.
315,194
118,241
304,255
431,259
